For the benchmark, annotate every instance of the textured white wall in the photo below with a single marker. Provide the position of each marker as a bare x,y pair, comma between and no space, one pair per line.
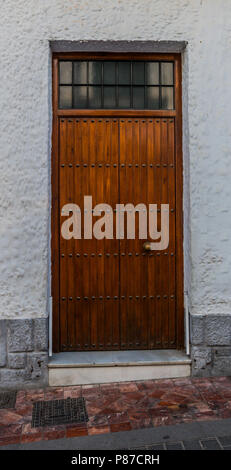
26,28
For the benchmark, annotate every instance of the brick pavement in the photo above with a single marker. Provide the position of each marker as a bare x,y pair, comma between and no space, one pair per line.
123,407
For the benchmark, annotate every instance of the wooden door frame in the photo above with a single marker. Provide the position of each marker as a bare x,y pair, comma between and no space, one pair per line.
176,114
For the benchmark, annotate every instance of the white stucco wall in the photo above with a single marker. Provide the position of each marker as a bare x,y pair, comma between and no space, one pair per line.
25,32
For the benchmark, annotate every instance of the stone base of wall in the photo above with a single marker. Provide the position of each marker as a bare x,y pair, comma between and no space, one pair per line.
24,349
210,344
23,353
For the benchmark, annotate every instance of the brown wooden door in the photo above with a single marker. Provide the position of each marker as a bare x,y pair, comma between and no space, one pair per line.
111,294
114,294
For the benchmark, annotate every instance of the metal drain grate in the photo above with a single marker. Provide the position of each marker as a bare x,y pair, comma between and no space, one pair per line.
7,399
55,412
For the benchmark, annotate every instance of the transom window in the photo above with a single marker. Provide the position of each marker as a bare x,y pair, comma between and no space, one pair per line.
116,84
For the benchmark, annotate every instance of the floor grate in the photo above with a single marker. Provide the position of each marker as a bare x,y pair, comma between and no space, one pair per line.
55,412
7,399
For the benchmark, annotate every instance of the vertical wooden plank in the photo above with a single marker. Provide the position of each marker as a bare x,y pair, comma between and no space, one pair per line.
98,324
115,276
70,293
157,200
123,242
144,267
151,199
172,231
137,244
164,274
94,293
129,257
88,324
111,196
63,242
108,244
78,256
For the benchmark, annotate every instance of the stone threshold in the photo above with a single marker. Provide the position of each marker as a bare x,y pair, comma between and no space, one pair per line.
91,367
115,358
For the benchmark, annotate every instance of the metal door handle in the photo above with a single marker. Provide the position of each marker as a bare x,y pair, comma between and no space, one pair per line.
147,246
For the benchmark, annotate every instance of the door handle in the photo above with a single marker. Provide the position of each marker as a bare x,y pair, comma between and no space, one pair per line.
147,246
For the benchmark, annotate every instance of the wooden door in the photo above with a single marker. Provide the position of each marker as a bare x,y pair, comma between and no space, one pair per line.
112,294
89,269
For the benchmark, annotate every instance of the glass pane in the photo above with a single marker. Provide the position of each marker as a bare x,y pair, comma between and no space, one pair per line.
124,97
124,73
109,73
80,72
153,97
109,97
95,73
138,73
65,72
167,97
138,97
167,73
94,96
80,97
152,73
65,97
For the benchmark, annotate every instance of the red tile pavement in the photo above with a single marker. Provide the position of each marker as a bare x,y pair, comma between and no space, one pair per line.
121,407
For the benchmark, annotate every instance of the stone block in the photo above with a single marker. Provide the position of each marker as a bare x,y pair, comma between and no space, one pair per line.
197,329
12,378
2,343
201,361
221,366
20,335
37,367
218,330
16,360
41,334
222,352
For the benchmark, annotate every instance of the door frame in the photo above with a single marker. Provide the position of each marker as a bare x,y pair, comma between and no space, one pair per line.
176,114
